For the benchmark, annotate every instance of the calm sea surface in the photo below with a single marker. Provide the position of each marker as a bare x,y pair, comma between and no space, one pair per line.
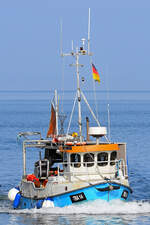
130,123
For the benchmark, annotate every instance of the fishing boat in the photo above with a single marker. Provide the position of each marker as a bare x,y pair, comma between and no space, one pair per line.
74,169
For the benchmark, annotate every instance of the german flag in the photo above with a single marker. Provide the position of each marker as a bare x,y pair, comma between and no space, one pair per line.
96,76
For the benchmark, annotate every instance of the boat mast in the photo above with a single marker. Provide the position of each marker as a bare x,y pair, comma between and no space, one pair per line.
79,95
56,103
76,54
89,33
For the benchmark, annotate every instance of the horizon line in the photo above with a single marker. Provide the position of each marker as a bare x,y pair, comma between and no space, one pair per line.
36,90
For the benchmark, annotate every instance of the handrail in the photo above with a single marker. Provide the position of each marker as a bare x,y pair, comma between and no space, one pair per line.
29,133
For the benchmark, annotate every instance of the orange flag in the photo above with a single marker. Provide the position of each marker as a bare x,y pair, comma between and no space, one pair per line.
52,125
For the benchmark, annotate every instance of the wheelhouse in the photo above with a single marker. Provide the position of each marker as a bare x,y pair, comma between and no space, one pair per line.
97,160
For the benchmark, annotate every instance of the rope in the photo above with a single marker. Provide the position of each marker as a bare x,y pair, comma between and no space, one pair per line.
75,99
108,105
94,91
62,100
95,99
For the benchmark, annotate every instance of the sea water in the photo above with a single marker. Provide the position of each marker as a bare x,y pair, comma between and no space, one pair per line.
129,122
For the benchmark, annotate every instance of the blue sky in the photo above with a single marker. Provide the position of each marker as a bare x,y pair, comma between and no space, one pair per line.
30,43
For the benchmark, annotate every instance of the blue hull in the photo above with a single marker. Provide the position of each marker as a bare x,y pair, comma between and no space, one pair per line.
105,192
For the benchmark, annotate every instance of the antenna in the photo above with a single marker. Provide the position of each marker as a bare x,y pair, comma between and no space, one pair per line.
108,111
83,42
72,45
61,38
89,33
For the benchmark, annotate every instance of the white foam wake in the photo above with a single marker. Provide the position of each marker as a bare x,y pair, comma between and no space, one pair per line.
93,208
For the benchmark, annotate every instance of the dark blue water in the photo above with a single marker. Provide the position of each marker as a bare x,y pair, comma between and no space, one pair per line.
130,123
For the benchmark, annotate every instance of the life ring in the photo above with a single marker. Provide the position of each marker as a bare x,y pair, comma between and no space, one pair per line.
69,143
80,143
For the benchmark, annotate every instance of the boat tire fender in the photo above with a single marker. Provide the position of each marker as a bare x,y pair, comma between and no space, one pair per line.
48,203
17,201
12,193
39,204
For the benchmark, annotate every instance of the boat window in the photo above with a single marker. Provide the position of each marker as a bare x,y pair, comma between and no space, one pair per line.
88,157
102,159
113,157
76,160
